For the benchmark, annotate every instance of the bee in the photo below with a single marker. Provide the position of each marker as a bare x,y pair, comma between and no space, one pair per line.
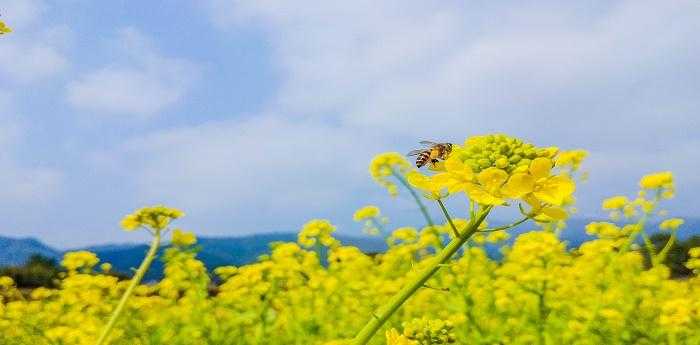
433,153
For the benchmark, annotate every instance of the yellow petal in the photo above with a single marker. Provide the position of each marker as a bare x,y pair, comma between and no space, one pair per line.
443,179
454,164
492,178
518,185
555,190
555,213
417,180
531,200
482,196
540,167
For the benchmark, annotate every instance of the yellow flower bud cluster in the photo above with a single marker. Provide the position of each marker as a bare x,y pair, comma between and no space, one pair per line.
571,158
184,275
671,224
694,260
662,182
225,272
425,331
499,151
615,203
385,165
677,313
610,231
654,189
154,217
372,219
79,260
366,212
183,238
4,29
393,337
317,231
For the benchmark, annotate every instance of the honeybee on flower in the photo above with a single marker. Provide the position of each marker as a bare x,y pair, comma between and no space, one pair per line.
434,153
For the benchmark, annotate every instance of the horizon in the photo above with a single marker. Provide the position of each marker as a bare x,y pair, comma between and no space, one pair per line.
686,231
260,116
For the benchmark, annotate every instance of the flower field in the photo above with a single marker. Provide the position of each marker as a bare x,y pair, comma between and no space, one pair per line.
434,285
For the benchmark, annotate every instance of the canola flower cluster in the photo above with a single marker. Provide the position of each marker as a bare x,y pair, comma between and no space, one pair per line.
434,284
4,29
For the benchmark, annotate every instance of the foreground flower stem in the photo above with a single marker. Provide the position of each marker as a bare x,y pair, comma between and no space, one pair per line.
384,313
145,264
423,209
661,257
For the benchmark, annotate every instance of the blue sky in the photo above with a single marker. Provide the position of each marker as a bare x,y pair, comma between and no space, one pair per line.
255,116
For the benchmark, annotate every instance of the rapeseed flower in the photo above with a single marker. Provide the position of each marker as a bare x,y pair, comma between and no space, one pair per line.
183,238
671,224
386,165
317,232
4,29
366,212
155,217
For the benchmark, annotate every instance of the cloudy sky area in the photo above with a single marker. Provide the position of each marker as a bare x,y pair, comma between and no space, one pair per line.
255,116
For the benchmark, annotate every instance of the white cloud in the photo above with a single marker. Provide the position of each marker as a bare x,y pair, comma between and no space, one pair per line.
22,183
505,66
34,51
618,78
143,85
263,172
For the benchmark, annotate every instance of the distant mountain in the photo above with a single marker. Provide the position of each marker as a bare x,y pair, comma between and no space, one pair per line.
216,251
15,251
219,251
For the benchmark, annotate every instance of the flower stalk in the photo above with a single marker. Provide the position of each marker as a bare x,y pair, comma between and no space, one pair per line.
384,313
140,272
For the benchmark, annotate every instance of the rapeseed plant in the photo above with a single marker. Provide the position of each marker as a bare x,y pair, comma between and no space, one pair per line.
435,284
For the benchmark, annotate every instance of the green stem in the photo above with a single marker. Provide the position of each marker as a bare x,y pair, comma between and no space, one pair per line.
383,313
506,227
650,247
661,257
379,226
449,219
140,272
416,197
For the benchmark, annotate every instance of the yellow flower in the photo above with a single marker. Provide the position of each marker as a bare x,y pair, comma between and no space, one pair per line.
427,184
4,29
6,282
385,165
366,212
405,234
74,261
671,224
572,158
543,191
183,238
106,267
488,190
457,176
676,313
225,272
155,217
393,337
317,231
662,179
616,202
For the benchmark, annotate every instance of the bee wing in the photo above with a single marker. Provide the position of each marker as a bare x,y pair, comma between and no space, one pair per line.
415,152
428,143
